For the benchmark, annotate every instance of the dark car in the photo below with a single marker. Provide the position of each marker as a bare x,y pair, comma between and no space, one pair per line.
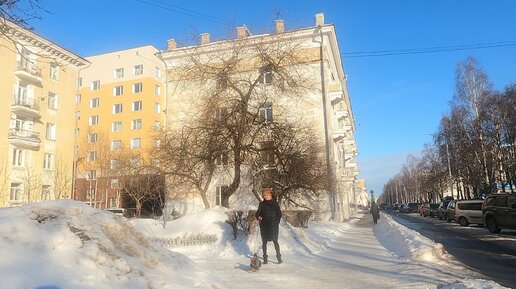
441,210
450,211
499,211
430,210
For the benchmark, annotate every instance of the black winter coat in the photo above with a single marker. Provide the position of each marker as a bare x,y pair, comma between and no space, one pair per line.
271,216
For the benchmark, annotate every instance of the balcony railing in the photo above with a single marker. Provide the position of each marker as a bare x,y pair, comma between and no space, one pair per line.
28,72
24,138
25,105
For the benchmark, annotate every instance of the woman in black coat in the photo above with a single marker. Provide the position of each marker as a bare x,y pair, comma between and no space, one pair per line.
269,216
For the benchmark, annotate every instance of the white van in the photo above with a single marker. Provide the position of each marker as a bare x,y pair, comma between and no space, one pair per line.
468,212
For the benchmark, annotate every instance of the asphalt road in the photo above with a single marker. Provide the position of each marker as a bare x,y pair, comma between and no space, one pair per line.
494,255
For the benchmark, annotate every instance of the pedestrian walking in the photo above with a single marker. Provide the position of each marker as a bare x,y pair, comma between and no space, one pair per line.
375,211
269,216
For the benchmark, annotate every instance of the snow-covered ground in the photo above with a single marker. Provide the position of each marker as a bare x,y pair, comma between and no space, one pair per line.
66,244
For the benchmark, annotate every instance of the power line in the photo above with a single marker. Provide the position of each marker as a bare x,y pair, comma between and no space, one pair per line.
184,11
428,49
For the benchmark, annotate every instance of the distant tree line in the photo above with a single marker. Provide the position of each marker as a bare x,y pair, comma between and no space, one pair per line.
473,150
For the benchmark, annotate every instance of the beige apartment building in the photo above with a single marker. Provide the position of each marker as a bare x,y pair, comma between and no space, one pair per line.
327,106
120,107
38,87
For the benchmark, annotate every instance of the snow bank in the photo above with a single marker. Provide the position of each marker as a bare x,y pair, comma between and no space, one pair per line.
473,284
67,244
406,243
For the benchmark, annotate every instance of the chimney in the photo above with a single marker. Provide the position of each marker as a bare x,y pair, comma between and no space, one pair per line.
242,32
171,44
319,19
280,26
205,38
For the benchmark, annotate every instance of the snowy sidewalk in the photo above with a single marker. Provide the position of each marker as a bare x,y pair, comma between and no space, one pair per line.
352,258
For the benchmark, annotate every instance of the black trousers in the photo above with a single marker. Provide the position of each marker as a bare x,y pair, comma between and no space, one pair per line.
276,247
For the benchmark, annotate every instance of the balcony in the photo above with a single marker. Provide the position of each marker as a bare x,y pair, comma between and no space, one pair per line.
335,93
349,173
25,106
24,138
28,72
341,132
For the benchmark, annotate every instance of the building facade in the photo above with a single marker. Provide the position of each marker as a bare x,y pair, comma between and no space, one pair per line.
37,87
325,105
119,109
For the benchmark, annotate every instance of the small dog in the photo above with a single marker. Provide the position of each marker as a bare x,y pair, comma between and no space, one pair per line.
255,263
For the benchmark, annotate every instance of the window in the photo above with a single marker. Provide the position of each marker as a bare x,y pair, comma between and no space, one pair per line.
119,73
265,112
157,125
113,164
117,126
92,156
222,159
158,72
157,89
138,69
135,161
137,87
18,157
77,115
51,131
117,108
267,153
265,75
45,192
137,105
78,99
92,175
93,137
114,185
136,143
116,144
157,143
136,124
77,132
93,120
94,102
157,107
221,113
54,71
218,194
90,194
15,192
118,90
79,81
47,161
95,85
52,100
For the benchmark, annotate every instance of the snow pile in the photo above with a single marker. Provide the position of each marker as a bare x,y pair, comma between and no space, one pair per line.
473,284
406,243
67,244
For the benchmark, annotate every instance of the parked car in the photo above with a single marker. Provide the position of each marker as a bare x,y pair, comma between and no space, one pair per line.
499,211
412,207
468,212
441,210
430,210
450,211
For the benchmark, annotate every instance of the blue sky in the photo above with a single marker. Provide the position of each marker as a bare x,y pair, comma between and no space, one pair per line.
397,100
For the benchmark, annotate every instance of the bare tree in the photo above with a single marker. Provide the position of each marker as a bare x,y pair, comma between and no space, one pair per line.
61,177
238,85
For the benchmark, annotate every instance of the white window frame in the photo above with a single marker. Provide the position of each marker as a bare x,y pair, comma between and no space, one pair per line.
136,124
157,125
15,192
45,192
50,132
118,90
93,120
93,137
116,144
137,105
138,69
48,161
18,159
77,115
157,89
54,71
118,73
136,143
94,102
158,72
92,156
265,112
95,85
52,100
137,87
78,98
218,195
91,175
157,107
117,108
116,126
113,164
114,185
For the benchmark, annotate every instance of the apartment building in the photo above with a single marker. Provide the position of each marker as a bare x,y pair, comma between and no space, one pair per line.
37,87
327,106
120,107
